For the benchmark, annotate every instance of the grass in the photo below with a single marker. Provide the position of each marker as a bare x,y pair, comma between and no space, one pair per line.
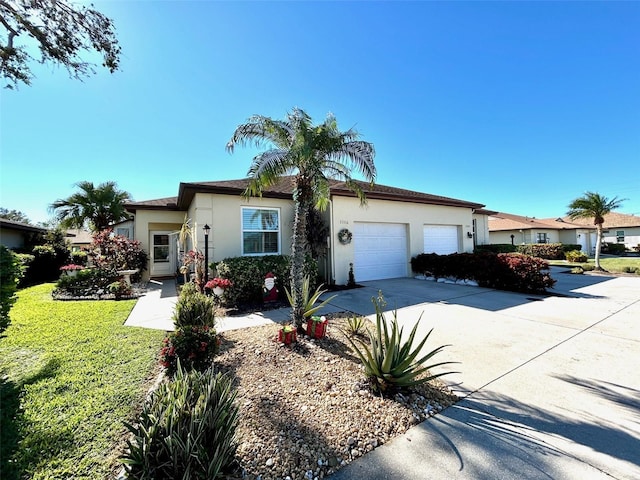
611,264
70,373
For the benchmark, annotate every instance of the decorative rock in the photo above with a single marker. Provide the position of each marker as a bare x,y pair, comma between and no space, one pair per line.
269,462
351,441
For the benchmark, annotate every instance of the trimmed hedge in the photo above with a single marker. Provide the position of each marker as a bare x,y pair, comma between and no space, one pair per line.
576,256
9,275
247,276
614,248
503,271
496,248
549,251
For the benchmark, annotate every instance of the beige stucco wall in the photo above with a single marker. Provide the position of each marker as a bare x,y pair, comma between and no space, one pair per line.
524,236
631,236
482,229
223,214
11,238
346,211
148,220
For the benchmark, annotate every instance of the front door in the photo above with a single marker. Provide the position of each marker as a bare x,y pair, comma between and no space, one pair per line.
162,254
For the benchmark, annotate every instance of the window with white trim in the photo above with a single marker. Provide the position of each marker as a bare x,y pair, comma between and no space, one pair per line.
620,236
542,237
260,231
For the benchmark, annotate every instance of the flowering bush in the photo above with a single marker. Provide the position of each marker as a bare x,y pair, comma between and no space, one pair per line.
219,283
194,345
119,289
195,258
71,267
116,252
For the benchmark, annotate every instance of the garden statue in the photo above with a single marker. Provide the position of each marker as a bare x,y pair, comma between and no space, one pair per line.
269,289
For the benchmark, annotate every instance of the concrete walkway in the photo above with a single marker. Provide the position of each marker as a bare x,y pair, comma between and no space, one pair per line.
550,384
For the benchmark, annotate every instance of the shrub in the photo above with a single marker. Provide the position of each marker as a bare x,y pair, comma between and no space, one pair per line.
569,247
116,252
247,275
577,270
390,362
576,256
189,288
613,248
496,248
549,251
119,289
10,273
79,258
629,269
518,273
186,429
194,309
47,259
193,346
86,283
587,267
504,271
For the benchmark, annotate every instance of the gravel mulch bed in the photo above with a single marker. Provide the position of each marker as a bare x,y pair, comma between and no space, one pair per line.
307,410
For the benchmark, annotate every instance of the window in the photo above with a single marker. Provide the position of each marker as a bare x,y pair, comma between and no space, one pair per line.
123,231
620,236
260,231
542,238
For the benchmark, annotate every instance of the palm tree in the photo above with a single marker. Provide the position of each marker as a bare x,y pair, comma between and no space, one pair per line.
313,154
596,206
99,207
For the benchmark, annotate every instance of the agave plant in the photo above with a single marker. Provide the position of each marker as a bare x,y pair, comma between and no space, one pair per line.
391,363
356,325
309,300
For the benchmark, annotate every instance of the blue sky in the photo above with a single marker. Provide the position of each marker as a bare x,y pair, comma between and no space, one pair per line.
521,106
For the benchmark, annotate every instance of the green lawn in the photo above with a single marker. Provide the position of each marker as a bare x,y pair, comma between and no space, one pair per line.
70,373
611,264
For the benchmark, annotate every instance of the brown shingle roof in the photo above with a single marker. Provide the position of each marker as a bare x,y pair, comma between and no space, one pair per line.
611,220
168,203
506,221
21,226
284,189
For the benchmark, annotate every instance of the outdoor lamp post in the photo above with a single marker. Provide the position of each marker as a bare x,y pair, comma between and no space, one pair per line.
206,229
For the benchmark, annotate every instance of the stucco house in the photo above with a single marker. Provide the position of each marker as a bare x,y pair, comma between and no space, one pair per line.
516,229
395,225
15,235
617,228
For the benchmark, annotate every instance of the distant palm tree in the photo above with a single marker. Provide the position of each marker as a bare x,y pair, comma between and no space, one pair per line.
596,206
313,154
97,207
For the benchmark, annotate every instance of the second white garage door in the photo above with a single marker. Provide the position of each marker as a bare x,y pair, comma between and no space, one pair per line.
440,239
380,250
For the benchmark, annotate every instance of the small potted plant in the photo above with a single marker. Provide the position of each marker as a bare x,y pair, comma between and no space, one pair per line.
317,326
218,285
287,334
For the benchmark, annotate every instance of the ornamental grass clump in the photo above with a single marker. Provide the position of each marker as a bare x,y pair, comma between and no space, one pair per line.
194,309
186,429
391,363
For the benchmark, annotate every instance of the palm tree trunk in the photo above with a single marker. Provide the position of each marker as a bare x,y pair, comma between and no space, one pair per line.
302,200
598,245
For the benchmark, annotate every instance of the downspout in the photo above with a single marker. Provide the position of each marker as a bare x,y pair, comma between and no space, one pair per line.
331,262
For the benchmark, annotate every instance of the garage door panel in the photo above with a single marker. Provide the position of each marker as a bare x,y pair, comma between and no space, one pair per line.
380,250
441,239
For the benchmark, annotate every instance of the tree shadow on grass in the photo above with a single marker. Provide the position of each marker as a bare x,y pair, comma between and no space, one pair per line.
13,428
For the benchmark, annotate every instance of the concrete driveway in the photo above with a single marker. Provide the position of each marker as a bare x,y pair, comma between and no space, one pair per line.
550,384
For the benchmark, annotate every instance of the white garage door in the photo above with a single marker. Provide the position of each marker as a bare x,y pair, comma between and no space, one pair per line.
380,250
440,239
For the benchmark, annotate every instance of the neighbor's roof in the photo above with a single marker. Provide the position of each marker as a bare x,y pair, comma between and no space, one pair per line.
506,221
611,220
79,237
168,203
284,188
23,227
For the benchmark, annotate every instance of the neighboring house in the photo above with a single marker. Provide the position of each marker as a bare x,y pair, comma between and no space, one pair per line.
395,225
617,228
16,235
78,239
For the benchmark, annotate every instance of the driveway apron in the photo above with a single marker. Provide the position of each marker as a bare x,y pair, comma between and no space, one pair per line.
549,385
